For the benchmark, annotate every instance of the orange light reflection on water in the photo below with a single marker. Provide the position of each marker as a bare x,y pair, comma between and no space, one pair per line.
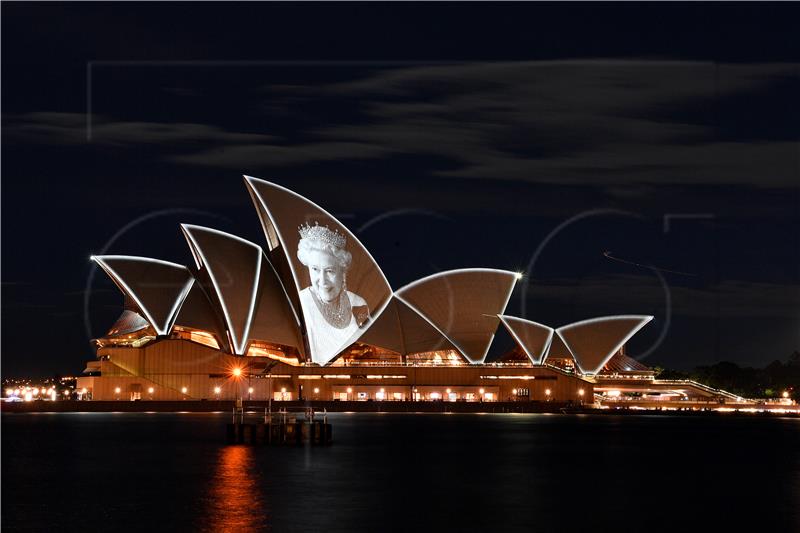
235,500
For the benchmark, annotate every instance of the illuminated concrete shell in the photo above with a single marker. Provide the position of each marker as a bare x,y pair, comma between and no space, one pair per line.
282,212
463,305
532,337
198,313
593,342
158,288
403,330
275,320
230,272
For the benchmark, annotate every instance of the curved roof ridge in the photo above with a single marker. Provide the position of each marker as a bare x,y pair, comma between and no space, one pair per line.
239,335
251,183
434,326
485,336
162,324
536,360
444,273
617,340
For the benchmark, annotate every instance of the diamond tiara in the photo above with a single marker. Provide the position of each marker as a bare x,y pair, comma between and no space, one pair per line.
322,234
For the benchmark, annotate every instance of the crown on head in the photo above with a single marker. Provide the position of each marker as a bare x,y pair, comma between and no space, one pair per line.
322,234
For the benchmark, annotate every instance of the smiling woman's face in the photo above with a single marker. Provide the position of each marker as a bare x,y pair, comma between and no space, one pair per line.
327,275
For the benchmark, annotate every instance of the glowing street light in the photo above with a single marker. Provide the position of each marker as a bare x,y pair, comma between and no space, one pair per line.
151,390
547,392
580,392
316,390
785,394
117,390
250,390
237,372
217,390
184,390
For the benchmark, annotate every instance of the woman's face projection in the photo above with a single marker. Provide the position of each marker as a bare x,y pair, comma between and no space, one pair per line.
327,275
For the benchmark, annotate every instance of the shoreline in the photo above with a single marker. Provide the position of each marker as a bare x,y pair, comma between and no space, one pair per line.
216,406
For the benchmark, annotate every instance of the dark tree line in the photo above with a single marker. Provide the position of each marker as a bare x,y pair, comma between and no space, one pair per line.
768,382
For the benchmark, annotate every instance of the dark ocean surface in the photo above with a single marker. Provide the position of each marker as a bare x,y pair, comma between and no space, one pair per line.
403,472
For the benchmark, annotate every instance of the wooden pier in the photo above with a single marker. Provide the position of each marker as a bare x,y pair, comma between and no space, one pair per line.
283,427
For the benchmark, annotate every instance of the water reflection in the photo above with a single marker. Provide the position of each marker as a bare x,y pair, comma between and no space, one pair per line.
235,501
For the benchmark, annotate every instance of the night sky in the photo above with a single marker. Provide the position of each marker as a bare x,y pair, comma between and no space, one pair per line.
627,158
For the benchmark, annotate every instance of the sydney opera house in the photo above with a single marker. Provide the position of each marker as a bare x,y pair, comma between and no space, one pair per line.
309,315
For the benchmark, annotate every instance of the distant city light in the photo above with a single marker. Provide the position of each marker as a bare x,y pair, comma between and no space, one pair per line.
786,394
117,390
316,390
151,390
9,392
547,392
237,371
481,391
349,390
580,392
250,390
184,390
283,390
514,392
217,390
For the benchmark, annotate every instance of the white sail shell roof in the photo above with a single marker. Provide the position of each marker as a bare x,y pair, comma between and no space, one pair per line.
463,305
157,287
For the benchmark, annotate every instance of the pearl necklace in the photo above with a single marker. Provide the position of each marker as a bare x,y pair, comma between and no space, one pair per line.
337,313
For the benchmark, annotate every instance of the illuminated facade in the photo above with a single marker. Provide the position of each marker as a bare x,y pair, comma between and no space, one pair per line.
311,316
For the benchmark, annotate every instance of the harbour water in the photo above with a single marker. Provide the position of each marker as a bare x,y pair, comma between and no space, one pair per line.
402,472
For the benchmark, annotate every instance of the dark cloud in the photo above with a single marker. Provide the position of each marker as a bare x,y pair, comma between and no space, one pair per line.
59,128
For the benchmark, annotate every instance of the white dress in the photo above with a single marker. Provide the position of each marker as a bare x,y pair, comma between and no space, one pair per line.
325,340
